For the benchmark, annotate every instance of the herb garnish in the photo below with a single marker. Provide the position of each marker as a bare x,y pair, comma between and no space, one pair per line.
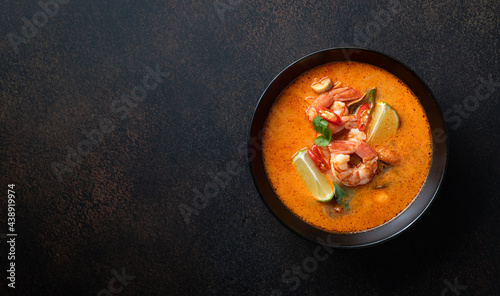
339,196
321,126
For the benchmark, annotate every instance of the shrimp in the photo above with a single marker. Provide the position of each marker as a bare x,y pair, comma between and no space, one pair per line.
345,94
340,109
353,174
326,99
347,122
356,134
388,154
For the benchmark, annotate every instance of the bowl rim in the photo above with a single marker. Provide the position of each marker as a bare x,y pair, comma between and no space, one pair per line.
407,217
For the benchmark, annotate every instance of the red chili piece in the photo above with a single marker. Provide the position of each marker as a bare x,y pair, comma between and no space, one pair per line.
317,158
329,116
363,116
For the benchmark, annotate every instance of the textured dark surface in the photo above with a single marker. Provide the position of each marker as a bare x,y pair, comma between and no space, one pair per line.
120,206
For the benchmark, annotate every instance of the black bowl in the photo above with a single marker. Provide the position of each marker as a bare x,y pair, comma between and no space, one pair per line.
431,184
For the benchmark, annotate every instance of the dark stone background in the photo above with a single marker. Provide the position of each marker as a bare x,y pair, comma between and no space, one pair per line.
119,208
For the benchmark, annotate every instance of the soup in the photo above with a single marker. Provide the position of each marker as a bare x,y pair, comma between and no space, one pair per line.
394,174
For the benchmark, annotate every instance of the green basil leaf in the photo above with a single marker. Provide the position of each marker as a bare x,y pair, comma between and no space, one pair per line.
321,126
317,124
371,98
339,192
327,133
339,196
322,141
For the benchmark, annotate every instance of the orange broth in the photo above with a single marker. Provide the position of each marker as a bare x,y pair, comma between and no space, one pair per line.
288,129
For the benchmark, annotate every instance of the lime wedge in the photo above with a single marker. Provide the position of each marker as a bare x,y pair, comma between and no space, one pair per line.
312,177
383,125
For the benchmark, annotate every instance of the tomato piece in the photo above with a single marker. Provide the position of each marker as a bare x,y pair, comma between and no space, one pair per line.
329,116
363,116
317,158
